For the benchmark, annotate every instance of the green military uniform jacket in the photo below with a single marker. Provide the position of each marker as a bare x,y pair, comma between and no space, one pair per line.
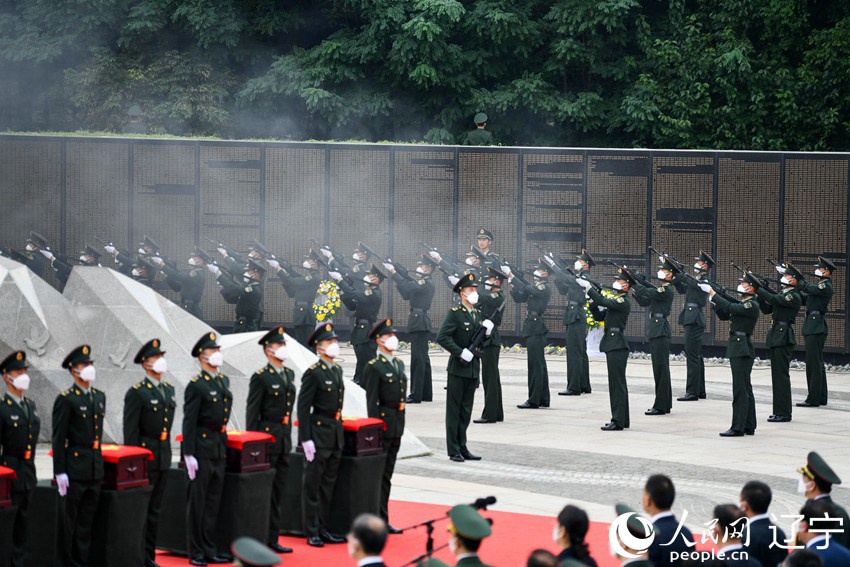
148,418
420,293
471,562
320,406
786,304
366,303
77,431
248,297
205,414
190,284
816,298
455,335
617,311
19,431
576,298
537,295
271,403
660,302
743,317
478,137
386,390
491,305
694,311
302,289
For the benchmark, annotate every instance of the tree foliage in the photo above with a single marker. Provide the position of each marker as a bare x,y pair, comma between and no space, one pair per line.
718,74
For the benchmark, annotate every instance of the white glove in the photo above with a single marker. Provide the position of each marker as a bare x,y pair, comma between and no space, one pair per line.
601,308
583,283
62,483
505,269
222,251
325,252
781,269
549,260
158,261
662,259
466,355
191,466
309,450
274,264
47,254
453,280
213,268
434,254
336,276
388,267
488,324
705,287
109,249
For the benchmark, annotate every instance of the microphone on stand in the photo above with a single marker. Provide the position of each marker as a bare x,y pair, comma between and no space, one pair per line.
482,503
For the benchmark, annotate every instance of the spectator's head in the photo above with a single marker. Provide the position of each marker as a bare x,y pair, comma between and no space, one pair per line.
658,494
467,529
819,516
817,477
730,523
367,537
755,498
803,558
571,530
541,558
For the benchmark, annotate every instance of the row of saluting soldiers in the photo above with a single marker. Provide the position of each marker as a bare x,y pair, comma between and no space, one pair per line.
149,410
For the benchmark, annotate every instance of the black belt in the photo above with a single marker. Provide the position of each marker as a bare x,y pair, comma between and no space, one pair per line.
575,302
365,321
738,334
696,305
328,414
534,313
391,405
190,302
778,322
301,304
218,428
661,315
417,310
813,313
614,329
22,456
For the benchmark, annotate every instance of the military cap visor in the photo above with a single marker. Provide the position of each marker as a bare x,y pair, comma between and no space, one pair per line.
587,258
322,333
14,361
252,553
669,266
275,335
384,327
825,263
151,348
37,239
426,260
198,253
793,272
817,467
257,246
468,523
89,251
311,255
149,242
480,118
467,280
625,276
750,279
360,249
484,233
209,340
703,256
255,267
493,273
81,354
377,273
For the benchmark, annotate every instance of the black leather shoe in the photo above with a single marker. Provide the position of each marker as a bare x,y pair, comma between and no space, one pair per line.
611,427
687,398
328,537
457,458
410,400
805,405
528,405
277,548
393,530
732,433
653,411
197,561
544,405
702,396
749,432
569,393
483,420
779,418
218,560
315,541
586,391
467,456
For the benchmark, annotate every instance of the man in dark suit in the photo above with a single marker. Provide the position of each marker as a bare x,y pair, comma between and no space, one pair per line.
755,500
367,539
816,483
815,530
728,530
658,496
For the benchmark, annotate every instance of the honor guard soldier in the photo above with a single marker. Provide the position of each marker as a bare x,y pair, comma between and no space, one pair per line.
484,241
660,302
365,302
302,289
640,531
206,410
37,252
77,460
491,304
149,408
456,333
479,136
816,483
816,298
692,318
271,402
189,283
614,345
320,434
743,317
575,322
467,529
534,330
419,291
19,429
386,389
248,552
780,339
247,296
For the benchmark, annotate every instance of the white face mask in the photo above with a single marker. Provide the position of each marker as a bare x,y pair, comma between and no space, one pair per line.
367,279
306,264
818,272
192,262
21,382
742,289
470,261
488,286
697,268
472,297
538,274
618,286
786,280
281,353
137,273
88,373
452,544
84,260
356,257
421,270
577,265
142,251
802,486
160,366
216,359
391,343
332,350
662,275
30,248
556,531
247,277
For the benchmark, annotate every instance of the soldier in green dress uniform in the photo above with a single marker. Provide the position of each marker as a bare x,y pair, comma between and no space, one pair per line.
19,429
467,529
365,302
816,298
248,552
537,296
206,411
639,528
484,243
491,304
455,336
743,317
614,345
575,323
386,390
320,433
692,318
660,302
135,125
780,339
479,136
302,289
419,291
189,283
149,408
817,482
246,295
37,253
271,400
77,460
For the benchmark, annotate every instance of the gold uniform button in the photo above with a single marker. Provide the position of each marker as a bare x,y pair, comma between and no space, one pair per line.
204,435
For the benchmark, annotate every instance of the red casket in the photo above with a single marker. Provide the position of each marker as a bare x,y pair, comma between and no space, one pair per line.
125,466
7,475
362,436
247,451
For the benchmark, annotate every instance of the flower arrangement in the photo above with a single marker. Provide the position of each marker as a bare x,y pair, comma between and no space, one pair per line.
588,315
327,302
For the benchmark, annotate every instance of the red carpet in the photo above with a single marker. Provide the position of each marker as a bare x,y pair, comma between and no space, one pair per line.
514,537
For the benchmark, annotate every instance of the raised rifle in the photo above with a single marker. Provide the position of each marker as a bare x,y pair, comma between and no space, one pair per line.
555,259
401,270
451,268
517,273
238,257
683,271
640,278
